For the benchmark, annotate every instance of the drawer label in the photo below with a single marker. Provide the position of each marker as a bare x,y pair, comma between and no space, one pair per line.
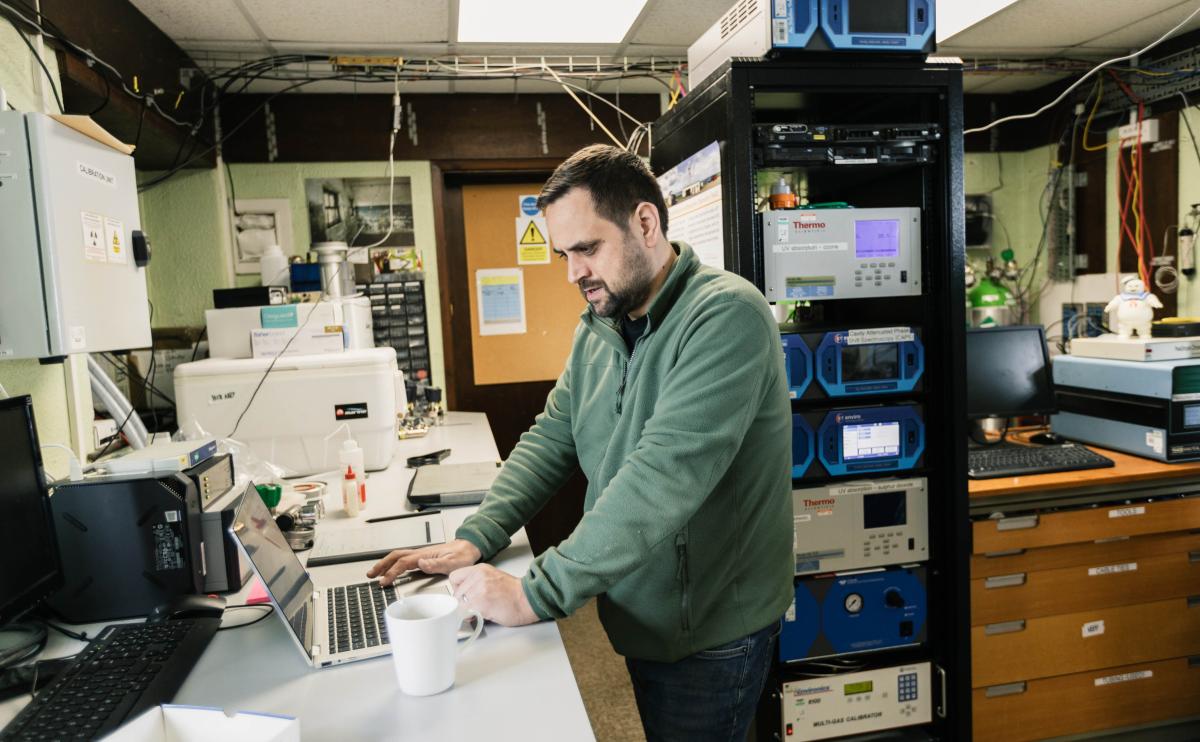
1113,569
1093,628
1126,512
1124,677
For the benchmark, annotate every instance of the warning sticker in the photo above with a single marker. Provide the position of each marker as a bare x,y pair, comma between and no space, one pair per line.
93,237
114,241
879,335
533,248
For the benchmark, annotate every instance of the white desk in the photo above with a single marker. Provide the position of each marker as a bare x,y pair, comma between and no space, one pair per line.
512,684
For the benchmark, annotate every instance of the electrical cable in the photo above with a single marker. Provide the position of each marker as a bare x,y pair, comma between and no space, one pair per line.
1062,96
262,615
1191,134
41,63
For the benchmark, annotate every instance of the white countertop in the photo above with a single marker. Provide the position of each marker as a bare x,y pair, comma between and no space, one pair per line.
511,684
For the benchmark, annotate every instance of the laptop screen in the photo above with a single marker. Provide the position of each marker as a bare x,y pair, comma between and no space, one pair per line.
282,573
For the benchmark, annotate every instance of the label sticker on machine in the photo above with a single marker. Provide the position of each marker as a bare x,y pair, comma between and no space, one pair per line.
1124,677
1093,628
168,546
1113,569
96,174
351,411
876,335
1154,440
1126,512
93,237
808,287
811,246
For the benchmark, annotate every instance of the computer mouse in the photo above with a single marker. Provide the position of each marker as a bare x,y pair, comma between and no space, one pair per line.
188,606
1049,438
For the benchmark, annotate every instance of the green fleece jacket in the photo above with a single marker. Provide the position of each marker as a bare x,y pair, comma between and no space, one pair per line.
686,535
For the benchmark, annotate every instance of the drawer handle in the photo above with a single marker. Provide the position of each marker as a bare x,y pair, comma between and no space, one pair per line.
1004,581
1008,689
942,710
1017,524
1193,601
1193,556
998,554
1193,662
1004,627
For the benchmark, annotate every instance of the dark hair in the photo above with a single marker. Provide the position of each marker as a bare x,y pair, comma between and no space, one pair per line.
617,180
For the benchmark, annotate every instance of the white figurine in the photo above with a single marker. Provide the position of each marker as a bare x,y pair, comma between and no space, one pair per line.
1135,308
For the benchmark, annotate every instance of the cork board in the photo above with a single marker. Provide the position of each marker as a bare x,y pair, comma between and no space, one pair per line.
552,305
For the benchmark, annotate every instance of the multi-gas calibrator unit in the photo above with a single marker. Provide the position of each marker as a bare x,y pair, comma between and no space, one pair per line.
73,277
857,702
822,254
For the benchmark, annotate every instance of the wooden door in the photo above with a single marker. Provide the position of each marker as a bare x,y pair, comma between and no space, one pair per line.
505,376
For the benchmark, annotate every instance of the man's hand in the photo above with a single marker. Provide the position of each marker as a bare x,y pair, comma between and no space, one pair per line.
497,595
437,559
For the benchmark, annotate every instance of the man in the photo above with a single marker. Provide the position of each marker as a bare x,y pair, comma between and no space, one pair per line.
675,406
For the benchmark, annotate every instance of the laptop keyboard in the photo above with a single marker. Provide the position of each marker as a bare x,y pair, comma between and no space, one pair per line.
356,615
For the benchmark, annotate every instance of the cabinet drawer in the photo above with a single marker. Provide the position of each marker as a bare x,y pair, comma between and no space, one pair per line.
1084,641
1087,702
1120,549
1083,588
1090,524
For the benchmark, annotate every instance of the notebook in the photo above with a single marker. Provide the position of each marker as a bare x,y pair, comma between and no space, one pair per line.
452,484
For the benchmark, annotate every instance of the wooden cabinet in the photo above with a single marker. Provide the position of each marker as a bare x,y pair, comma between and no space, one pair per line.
1085,610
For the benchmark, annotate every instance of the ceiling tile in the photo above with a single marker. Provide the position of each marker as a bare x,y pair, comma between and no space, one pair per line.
211,20
349,21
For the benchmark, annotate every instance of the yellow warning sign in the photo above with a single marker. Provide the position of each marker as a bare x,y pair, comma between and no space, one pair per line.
532,246
533,235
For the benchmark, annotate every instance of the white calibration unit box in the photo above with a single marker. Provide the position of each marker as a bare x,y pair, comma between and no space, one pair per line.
822,254
70,280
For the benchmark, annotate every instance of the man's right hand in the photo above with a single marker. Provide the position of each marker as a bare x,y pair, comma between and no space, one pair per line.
438,559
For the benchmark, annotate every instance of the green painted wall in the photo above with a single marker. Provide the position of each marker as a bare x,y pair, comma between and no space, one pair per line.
187,220
19,76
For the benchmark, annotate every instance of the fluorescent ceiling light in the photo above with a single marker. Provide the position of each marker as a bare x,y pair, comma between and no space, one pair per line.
954,16
546,21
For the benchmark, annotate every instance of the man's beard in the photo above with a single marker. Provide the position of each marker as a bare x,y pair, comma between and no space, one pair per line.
636,276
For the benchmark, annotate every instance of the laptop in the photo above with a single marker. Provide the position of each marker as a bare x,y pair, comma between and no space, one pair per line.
331,626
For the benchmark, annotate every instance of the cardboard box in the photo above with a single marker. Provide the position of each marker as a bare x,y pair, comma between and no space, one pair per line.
168,723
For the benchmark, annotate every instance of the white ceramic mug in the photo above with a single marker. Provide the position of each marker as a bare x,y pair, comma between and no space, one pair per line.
423,632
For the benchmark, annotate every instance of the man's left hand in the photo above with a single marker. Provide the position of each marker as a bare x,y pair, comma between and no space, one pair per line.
497,595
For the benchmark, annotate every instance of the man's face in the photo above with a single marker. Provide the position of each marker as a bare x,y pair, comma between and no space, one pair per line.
610,265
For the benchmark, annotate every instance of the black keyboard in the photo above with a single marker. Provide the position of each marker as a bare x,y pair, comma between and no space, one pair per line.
127,669
356,615
1007,460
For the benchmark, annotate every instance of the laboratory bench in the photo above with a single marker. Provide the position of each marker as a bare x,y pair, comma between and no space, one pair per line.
511,684
1085,601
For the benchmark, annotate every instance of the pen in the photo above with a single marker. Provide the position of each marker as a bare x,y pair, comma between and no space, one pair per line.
402,515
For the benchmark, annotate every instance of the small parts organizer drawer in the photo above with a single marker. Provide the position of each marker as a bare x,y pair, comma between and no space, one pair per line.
1105,583
1087,702
1027,649
1089,524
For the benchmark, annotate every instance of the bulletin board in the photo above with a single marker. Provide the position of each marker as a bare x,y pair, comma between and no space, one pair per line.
551,304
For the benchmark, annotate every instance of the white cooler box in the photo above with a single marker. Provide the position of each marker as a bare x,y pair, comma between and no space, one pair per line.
302,401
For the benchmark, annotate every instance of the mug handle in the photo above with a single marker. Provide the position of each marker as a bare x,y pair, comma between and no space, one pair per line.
478,628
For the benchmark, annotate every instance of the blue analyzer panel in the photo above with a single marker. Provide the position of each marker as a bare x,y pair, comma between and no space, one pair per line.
803,446
871,439
860,362
849,614
878,25
793,23
797,361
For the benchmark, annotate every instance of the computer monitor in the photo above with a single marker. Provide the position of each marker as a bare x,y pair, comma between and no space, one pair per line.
28,550
1008,372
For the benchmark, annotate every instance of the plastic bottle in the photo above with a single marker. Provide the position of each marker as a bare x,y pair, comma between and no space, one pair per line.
352,456
273,267
350,493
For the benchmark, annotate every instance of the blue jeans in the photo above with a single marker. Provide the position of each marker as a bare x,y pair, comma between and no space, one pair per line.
710,695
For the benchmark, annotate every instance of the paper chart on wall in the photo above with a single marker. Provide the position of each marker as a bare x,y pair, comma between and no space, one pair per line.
500,296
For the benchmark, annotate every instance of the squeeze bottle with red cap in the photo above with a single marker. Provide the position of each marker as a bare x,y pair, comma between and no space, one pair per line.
351,455
350,493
